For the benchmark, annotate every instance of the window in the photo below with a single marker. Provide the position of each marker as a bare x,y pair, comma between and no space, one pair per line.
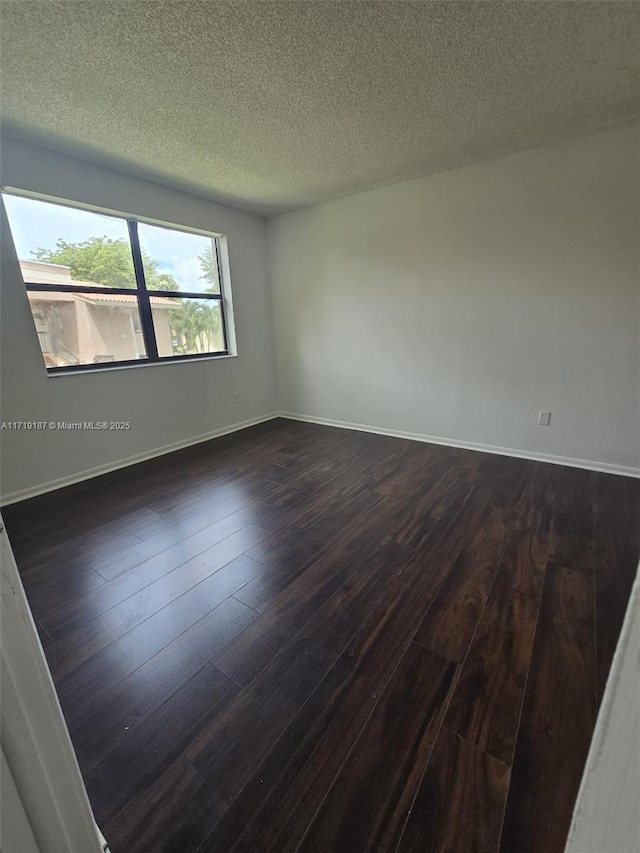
107,290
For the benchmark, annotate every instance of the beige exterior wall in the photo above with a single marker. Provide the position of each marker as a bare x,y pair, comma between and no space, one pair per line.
111,332
69,327
77,329
161,323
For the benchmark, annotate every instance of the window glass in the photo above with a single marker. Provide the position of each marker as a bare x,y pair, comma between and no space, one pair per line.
62,245
87,328
176,260
187,326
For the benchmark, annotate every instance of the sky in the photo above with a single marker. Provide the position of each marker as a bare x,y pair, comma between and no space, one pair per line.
36,224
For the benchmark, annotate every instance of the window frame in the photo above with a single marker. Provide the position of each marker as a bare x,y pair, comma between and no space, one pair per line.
140,291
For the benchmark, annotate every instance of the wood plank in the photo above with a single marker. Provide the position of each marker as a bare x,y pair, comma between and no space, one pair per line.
557,718
616,560
316,525
81,687
305,508
296,774
77,557
632,508
414,522
485,708
164,548
452,619
157,741
198,584
532,532
105,720
369,802
573,544
505,477
178,508
67,618
143,524
357,551
80,548
460,803
175,813
425,464
252,651
229,751
54,588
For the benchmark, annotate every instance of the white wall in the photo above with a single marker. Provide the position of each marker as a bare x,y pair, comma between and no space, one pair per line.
16,835
167,403
606,812
453,306
461,304
51,812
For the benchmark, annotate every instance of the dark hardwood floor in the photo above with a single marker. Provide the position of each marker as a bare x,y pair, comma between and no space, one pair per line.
299,638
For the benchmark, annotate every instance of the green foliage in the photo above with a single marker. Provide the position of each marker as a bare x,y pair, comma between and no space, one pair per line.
197,327
106,262
209,266
161,281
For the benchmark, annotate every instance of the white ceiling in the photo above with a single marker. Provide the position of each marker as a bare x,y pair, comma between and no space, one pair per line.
271,106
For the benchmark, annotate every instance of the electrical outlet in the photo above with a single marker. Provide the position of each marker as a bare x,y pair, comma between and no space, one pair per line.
236,396
544,418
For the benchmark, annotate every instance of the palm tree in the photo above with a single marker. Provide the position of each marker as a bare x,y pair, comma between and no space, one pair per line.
209,263
196,325
183,323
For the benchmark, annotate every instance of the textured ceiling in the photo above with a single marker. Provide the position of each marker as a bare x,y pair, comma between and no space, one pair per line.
270,106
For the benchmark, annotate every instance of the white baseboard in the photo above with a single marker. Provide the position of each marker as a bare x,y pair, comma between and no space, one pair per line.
603,467
78,477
